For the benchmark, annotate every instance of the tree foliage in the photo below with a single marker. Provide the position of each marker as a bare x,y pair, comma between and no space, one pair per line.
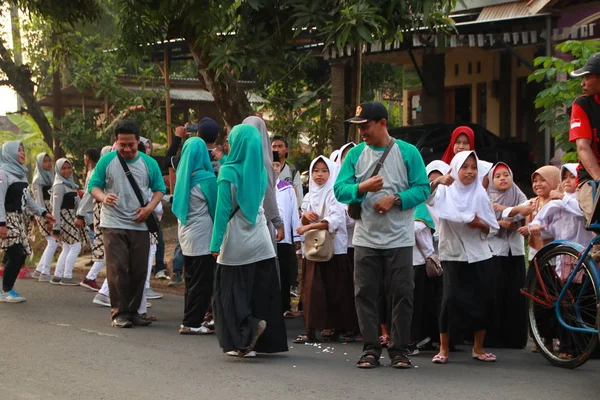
556,99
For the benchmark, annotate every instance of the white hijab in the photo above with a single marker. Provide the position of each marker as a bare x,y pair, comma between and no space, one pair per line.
437,165
317,194
571,167
335,156
459,202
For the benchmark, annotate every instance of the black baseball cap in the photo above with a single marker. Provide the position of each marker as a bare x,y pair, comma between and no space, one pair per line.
592,66
370,111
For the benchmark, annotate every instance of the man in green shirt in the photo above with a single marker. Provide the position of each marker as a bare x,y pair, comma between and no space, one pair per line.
383,236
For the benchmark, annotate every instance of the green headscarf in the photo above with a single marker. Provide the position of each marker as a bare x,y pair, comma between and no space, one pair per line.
245,169
194,168
10,157
422,214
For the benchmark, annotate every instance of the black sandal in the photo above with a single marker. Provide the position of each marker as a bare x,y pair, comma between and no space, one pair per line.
367,361
401,362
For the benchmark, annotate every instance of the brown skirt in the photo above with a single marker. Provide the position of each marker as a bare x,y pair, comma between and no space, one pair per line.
16,225
43,223
328,294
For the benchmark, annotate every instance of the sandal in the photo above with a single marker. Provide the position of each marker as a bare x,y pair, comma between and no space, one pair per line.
202,330
485,357
148,317
439,359
401,362
288,314
304,338
346,337
328,334
384,340
367,361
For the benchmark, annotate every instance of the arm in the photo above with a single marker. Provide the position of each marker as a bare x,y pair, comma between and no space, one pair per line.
222,215
33,205
38,194
270,202
587,158
345,187
58,192
171,152
156,183
3,189
297,182
295,222
424,239
85,205
571,205
418,190
335,214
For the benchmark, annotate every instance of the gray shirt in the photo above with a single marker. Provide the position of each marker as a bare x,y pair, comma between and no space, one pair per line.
6,180
195,235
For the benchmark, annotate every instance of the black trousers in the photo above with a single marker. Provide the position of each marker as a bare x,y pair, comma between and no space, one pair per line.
15,257
126,253
287,262
199,272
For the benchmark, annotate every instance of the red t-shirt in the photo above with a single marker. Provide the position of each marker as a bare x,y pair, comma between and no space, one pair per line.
581,128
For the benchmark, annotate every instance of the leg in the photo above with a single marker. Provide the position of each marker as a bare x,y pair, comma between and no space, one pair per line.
15,257
284,252
416,331
178,261
367,278
104,289
151,254
160,253
116,246
62,259
398,286
139,248
46,261
95,270
199,275
74,251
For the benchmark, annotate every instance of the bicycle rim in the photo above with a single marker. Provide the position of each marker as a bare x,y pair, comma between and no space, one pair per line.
560,346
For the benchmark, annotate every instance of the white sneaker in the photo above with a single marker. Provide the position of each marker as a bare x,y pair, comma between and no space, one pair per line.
152,295
101,300
161,275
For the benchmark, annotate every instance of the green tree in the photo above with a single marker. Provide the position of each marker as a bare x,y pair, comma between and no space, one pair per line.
556,99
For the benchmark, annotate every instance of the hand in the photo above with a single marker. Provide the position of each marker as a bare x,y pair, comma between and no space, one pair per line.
445,180
110,200
476,223
373,184
181,131
525,210
536,230
506,225
50,218
56,236
142,214
217,153
215,254
524,230
280,235
302,229
311,216
3,232
79,223
80,193
556,195
499,207
385,204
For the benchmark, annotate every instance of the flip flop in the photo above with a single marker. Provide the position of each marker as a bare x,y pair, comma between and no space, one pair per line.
438,359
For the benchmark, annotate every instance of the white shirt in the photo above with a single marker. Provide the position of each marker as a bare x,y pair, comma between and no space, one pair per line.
424,242
460,243
288,211
335,215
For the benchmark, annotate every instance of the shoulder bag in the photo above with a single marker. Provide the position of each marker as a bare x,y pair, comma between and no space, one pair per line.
152,221
354,209
318,243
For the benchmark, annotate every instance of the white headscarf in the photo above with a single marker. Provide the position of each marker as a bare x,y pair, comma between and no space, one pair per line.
105,150
571,167
483,168
437,165
317,194
40,175
459,202
342,149
58,178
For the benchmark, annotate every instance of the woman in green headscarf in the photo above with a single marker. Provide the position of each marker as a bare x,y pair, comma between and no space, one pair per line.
14,194
194,202
247,310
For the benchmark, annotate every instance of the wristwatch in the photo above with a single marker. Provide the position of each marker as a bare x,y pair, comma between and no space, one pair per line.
397,200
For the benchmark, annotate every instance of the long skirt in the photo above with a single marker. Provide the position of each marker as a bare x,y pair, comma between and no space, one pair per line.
69,233
509,328
98,242
328,295
427,298
16,225
465,303
43,224
243,296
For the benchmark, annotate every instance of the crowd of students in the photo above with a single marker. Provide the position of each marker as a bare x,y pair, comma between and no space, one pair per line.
242,217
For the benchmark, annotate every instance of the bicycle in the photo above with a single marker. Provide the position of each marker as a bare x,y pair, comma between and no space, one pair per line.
563,294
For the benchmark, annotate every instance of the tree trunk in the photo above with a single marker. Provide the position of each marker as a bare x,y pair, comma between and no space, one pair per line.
57,109
230,99
19,78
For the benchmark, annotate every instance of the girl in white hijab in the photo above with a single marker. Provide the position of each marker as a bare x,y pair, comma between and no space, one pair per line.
43,178
327,287
65,202
466,218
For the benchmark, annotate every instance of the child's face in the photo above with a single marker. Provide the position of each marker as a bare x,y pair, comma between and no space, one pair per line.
540,186
434,175
502,179
462,143
467,173
66,170
568,182
277,167
47,163
320,173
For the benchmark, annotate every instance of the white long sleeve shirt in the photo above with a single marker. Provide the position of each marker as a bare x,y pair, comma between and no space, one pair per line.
288,210
423,243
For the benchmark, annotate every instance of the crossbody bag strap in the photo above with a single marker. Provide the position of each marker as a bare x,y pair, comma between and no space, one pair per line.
383,156
134,185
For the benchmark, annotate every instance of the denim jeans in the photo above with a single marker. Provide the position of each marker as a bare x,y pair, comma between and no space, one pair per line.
177,260
160,253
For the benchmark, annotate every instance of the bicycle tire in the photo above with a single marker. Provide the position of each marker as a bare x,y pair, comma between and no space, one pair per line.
534,308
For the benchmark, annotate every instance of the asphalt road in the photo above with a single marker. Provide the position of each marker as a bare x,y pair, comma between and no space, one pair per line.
58,345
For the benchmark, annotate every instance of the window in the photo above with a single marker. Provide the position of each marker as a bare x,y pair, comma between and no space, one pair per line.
438,140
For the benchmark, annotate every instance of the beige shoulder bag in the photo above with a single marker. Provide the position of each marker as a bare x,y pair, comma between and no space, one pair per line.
318,243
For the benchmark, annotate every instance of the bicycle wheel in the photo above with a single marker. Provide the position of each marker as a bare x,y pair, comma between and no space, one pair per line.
563,347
